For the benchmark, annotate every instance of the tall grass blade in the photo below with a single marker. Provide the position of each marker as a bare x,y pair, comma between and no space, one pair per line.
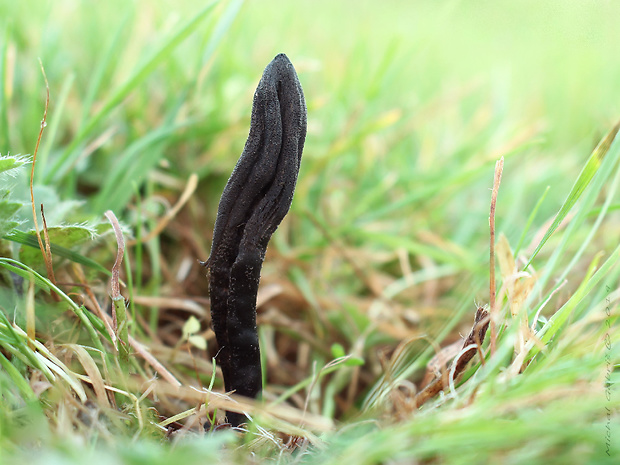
5,143
609,143
65,161
18,380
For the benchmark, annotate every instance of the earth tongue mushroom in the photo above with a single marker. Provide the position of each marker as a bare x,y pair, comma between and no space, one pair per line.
255,200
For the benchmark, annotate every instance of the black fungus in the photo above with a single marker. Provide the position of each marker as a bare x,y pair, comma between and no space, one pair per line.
255,200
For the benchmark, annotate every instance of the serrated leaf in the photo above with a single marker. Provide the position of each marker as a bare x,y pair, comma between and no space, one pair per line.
12,162
30,240
70,235
61,236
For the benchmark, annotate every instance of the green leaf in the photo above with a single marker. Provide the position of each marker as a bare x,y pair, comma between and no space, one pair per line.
338,350
198,341
12,162
8,209
62,236
353,361
30,240
191,326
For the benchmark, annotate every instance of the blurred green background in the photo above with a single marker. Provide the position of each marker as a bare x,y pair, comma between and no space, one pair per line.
406,99
410,104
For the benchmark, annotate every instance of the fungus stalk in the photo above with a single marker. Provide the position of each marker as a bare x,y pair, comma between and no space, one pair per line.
255,200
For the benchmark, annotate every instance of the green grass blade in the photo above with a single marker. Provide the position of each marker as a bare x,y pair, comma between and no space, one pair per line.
5,143
560,317
108,60
20,268
13,266
133,166
63,372
14,341
588,202
65,161
42,358
609,143
221,28
18,380
530,220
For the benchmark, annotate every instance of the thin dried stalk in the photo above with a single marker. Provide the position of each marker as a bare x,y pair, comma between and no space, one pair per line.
121,325
45,250
499,167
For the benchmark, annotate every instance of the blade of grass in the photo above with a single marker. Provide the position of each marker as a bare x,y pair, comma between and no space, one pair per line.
15,267
18,380
311,380
107,62
583,213
222,26
65,161
5,143
559,318
63,372
588,199
79,311
444,182
609,143
19,347
530,220
465,260
133,165
92,371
